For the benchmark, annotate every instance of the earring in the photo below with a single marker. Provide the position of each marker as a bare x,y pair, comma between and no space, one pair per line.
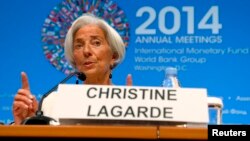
110,76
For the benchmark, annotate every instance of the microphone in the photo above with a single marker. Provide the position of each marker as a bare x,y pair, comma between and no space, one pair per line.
39,118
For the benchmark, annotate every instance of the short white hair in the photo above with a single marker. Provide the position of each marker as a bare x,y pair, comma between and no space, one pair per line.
113,37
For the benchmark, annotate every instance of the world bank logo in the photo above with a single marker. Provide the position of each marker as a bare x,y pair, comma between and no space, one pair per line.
62,16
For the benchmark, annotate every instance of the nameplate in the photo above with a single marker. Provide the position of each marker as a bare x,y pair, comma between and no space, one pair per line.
133,103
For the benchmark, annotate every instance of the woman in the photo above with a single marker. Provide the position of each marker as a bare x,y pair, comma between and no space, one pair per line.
92,47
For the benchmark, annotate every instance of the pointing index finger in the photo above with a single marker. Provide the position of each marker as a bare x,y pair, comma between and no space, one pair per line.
25,81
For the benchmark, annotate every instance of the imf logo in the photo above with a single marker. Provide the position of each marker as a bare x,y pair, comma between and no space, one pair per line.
62,16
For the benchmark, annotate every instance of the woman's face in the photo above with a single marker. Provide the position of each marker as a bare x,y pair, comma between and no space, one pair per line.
92,53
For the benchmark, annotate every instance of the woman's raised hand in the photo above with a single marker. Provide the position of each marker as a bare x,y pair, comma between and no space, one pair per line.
25,104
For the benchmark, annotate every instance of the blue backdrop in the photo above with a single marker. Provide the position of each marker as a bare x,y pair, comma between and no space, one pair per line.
207,40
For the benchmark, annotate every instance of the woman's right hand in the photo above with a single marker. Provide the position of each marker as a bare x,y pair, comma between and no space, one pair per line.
25,104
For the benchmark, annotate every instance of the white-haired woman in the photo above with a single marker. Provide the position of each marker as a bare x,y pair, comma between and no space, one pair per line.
91,46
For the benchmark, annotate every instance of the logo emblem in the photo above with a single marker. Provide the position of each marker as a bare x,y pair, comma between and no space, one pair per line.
62,16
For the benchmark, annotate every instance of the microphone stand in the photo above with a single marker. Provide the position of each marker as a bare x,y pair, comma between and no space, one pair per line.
39,118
